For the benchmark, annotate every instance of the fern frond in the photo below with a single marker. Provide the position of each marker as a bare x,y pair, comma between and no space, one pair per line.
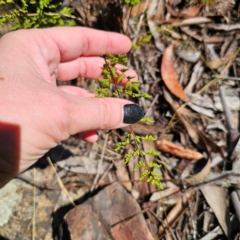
144,174
141,163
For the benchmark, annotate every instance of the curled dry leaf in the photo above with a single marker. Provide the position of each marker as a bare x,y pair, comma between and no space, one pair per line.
216,63
205,169
169,74
189,12
177,150
189,56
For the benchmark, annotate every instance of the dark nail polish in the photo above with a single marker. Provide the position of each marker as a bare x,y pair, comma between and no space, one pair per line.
132,113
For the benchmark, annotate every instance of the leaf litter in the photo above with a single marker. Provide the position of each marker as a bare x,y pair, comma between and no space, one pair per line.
189,65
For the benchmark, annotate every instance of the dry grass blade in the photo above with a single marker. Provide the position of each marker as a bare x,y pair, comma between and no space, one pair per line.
99,165
64,190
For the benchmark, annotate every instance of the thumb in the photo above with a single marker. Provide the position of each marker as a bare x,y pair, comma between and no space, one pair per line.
101,114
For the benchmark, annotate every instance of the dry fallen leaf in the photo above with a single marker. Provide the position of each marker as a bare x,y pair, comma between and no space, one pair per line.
203,173
192,11
165,193
216,63
216,199
137,10
190,56
178,150
199,138
169,74
122,175
189,12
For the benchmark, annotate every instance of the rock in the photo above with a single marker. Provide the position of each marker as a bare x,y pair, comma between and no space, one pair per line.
111,214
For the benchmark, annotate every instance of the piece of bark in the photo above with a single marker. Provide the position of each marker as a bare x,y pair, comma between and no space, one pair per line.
144,129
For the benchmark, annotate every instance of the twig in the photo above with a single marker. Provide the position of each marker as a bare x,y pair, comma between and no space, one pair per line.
233,134
228,78
152,104
60,182
99,165
106,172
236,203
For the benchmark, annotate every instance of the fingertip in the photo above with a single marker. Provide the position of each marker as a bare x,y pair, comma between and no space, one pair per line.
88,136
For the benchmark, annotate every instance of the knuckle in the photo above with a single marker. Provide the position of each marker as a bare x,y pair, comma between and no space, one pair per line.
62,106
106,113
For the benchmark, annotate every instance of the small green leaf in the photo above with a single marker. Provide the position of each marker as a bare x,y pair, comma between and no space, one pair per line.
147,120
147,39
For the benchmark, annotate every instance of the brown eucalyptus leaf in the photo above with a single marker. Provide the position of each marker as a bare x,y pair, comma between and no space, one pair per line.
192,11
169,74
178,150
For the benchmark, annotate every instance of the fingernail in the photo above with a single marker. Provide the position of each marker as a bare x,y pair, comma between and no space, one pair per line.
132,113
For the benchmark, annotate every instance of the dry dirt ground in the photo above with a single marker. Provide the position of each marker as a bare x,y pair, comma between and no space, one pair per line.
186,55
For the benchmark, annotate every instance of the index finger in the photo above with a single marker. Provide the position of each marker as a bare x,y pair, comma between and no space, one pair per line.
73,42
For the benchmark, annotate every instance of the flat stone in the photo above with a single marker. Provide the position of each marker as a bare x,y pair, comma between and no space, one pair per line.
111,214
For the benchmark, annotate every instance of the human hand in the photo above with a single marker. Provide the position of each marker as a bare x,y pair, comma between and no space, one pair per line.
35,114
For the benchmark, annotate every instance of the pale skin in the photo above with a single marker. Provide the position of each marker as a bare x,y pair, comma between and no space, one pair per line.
40,114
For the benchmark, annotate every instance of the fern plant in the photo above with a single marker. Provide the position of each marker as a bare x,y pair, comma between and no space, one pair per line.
35,14
110,86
